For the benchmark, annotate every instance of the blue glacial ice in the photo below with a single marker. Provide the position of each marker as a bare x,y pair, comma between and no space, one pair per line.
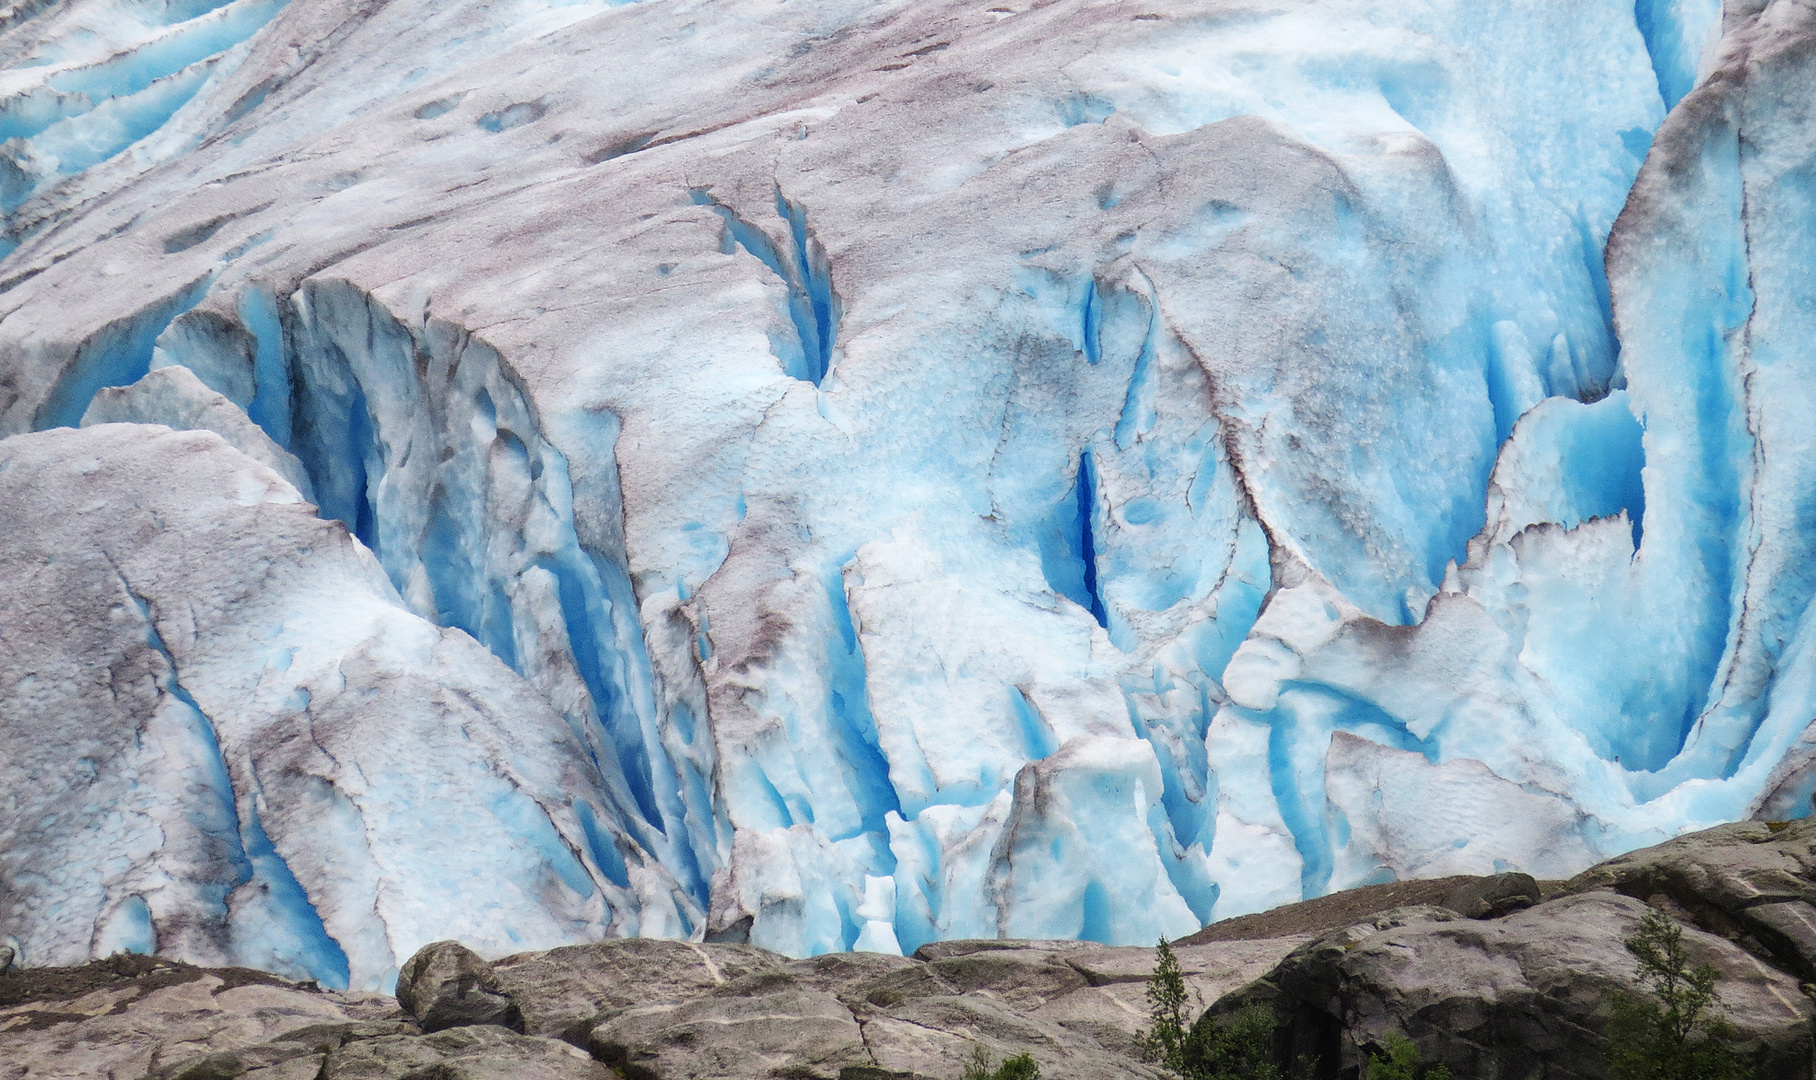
852,474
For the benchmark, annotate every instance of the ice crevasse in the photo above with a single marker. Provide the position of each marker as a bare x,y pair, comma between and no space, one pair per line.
844,474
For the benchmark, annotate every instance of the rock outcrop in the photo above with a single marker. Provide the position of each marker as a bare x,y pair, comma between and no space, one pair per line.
133,1016
650,1009
1753,883
1525,996
1497,977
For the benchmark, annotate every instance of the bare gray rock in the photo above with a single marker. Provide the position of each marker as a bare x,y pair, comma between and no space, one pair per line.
289,1061
935,1036
1114,1008
562,992
783,1032
1754,881
483,1052
1025,975
860,1017
447,985
1493,896
1522,997
672,1009
868,978
138,1017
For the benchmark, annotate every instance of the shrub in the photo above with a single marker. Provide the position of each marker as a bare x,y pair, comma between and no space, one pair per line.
1398,1059
1019,1067
1671,1034
1235,1046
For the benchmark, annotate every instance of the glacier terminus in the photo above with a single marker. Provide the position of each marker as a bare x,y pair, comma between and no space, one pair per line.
847,474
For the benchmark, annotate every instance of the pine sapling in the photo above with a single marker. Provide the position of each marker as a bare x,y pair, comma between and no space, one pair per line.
1238,1045
1163,1042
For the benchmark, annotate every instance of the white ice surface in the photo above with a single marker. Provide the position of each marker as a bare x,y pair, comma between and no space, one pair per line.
1055,471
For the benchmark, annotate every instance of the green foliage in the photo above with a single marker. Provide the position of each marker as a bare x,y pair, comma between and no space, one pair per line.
1398,1059
1236,1046
1164,1041
1672,1034
1019,1067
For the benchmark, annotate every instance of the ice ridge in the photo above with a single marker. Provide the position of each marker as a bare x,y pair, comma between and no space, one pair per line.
852,474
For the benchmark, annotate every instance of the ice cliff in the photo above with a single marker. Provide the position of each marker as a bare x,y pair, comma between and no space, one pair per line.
850,473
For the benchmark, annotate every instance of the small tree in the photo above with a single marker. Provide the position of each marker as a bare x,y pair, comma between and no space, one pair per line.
1163,1042
1671,1034
1234,1046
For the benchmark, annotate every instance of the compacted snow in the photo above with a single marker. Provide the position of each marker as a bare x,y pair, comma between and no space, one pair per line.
850,473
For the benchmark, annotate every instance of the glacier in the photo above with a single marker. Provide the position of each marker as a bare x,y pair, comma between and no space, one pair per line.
842,474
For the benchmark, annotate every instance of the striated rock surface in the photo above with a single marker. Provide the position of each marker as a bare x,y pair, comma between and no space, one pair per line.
1522,996
465,1053
132,1017
1491,896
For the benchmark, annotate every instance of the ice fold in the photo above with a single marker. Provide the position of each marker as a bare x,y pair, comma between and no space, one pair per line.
303,729
846,475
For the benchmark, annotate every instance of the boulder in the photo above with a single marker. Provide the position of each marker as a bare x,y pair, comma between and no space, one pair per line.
1494,896
1030,974
447,985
